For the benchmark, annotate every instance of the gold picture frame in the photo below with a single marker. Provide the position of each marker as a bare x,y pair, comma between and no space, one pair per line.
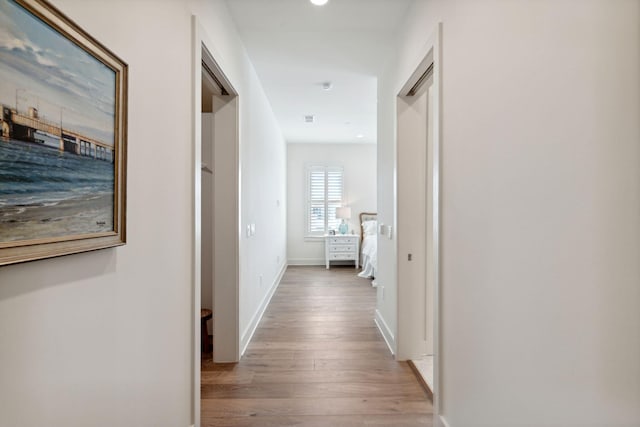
63,136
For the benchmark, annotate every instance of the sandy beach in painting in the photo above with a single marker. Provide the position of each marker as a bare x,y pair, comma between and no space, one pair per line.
89,214
45,193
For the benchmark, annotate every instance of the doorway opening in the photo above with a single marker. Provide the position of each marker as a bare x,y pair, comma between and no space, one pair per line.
216,207
219,211
418,216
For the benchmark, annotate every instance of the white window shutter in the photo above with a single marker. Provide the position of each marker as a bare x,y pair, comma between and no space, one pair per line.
324,196
334,196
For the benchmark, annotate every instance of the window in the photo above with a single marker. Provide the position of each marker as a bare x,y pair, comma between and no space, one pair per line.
324,196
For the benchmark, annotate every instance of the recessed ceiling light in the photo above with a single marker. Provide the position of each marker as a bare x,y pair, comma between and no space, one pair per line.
319,2
309,118
359,136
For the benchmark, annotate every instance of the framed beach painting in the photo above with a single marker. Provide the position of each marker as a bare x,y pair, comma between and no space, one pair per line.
63,97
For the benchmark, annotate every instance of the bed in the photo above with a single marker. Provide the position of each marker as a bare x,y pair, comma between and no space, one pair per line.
369,245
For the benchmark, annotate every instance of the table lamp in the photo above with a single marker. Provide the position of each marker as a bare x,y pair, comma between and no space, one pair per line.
343,213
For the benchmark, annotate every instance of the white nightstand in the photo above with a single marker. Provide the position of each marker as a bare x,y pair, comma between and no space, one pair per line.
342,247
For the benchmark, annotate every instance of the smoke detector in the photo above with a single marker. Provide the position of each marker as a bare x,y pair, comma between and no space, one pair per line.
327,86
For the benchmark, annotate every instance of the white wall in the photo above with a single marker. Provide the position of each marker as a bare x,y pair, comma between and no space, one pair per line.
541,208
387,291
104,338
264,198
359,165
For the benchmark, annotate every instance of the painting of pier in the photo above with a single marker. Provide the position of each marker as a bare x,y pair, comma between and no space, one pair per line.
62,136
26,127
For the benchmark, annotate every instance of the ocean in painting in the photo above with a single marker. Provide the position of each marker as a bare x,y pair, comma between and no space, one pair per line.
46,193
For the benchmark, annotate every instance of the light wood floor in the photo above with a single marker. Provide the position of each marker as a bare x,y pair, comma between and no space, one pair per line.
317,359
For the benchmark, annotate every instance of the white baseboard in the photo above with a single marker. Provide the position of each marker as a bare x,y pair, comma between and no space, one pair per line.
386,332
255,320
441,421
306,261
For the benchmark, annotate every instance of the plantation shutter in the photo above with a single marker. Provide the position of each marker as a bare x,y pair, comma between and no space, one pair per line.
316,201
324,196
334,197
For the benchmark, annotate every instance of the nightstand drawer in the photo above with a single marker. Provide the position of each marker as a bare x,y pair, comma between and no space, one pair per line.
342,240
342,248
341,256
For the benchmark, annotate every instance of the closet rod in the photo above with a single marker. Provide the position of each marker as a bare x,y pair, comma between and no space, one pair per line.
223,91
421,80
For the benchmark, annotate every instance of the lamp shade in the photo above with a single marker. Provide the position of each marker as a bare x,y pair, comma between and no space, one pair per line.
343,213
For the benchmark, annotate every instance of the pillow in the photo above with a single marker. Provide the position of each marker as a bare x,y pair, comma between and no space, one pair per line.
370,228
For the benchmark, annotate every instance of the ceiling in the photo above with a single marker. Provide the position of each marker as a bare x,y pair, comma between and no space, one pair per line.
296,46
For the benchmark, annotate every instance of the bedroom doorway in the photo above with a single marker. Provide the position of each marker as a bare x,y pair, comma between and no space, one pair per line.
215,216
418,216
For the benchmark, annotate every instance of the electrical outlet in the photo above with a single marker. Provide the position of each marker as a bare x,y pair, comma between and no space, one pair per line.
248,231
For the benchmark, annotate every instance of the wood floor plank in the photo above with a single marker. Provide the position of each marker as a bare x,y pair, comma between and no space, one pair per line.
318,345
402,420
223,408
335,376
317,359
351,364
333,337
279,390
338,323
315,354
227,377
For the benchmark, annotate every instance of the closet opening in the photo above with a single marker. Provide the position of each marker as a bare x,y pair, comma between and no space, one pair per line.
216,230
418,217
219,208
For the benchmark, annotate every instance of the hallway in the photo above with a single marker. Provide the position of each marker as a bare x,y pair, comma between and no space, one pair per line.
317,359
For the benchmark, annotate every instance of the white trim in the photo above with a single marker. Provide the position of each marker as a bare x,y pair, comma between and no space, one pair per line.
196,157
385,331
441,421
437,221
257,317
306,261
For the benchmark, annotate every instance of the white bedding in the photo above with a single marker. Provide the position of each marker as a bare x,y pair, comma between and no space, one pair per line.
369,258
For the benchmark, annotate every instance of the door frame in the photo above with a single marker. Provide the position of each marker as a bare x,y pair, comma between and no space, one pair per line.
431,53
201,42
